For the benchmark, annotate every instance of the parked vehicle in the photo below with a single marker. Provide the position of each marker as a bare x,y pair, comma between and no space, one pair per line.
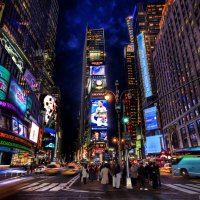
186,166
52,169
40,169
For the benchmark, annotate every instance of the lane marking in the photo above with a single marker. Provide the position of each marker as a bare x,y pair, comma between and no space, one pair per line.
36,187
180,189
193,185
47,187
58,187
31,185
188,187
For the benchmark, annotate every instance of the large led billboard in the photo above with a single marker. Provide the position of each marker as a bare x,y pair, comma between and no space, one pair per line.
18,127
97,70
98,83
34,132
99,135
95,56
4,80
151,118
144,66
154,144
99,114
49,138
30,79
17,96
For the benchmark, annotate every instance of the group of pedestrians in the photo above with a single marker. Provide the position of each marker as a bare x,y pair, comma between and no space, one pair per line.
111,173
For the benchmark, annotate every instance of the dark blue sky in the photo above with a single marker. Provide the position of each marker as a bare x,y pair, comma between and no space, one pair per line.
74,16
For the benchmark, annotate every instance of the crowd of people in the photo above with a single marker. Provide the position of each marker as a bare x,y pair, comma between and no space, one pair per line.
142,175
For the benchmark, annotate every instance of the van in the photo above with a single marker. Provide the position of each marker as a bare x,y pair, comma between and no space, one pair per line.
186,166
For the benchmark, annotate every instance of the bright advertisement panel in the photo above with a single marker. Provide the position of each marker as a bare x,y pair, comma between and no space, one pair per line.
95,56
49,138
30,79
154,144
99,114
4,80
18,127
151,118
99,135
144,66
97,70
17,96
34,132
98,83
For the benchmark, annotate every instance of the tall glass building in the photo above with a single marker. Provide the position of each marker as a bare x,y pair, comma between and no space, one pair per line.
93,116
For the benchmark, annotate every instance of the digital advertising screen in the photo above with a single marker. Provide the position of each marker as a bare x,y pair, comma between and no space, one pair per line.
17,96
15,125
144,66
99,135
49,138
95,56
4,80
31,80
97,70
151,118
154,144
34,132
98,83
18,127
99,114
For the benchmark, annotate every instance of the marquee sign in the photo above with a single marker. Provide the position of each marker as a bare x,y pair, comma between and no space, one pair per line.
15,138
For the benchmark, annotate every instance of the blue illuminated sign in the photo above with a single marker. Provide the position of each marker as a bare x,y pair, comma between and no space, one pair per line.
151,118
17,96
144,66
99,114
154,144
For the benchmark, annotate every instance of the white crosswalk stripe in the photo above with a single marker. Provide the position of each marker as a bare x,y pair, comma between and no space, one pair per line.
59,187
47,187
29,185
36,187
187,188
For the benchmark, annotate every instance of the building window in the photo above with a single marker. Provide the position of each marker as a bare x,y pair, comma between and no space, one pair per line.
184,137
192,134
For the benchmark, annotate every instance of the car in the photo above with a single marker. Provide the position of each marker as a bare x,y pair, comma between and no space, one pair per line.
70,170
52,169
166,168
40,169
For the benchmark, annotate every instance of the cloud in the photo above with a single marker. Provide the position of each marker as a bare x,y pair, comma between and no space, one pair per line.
73,42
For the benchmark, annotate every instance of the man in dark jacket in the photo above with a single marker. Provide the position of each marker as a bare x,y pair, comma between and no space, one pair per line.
141,176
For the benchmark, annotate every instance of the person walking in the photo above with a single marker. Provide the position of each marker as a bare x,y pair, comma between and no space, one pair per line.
84,174
142,175
105,177
134,174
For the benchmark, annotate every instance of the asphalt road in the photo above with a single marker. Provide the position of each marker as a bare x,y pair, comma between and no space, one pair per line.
58,187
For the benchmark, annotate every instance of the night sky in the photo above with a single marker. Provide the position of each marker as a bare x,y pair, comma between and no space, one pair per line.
74,16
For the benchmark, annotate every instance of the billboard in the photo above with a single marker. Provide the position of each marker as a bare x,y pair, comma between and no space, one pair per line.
154,144
95,56
17,96
99,114
99,135
18,127
49,138
30,79
151,118
34,132
4,80
144,66
98,83
97,70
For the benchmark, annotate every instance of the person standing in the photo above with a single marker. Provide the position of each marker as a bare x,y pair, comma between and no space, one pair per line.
142,175
84,174
117,174
105,176
134,174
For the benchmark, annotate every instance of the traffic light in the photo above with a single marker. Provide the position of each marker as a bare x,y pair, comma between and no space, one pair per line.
125,120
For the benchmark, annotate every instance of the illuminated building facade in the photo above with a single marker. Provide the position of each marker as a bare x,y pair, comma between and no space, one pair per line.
146,18
131,104
93,117
23,32
177,70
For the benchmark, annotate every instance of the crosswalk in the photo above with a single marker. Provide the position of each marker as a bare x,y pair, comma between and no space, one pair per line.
47,186
187,188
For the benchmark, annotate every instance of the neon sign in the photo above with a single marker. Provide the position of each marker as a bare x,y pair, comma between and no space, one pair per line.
144,66
4,80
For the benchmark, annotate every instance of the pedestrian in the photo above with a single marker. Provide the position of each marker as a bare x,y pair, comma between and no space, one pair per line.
117,174
154,175
105,177
92,172
142,175
134,174
84,174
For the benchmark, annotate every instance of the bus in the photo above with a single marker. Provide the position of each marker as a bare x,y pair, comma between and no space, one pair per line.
187,151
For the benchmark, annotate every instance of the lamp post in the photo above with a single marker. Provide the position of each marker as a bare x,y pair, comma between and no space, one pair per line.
118,102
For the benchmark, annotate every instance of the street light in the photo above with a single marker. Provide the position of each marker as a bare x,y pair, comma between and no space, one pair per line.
118,102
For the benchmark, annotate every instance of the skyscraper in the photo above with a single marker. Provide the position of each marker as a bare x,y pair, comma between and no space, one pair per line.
93,116
177,69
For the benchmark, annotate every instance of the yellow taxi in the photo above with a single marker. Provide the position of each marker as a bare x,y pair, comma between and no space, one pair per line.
52,169
70,170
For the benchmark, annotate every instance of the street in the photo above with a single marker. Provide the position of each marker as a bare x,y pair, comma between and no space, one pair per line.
70,188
